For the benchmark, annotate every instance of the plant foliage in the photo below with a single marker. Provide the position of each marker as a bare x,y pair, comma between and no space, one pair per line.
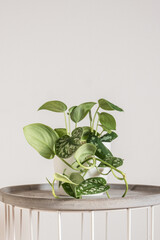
85,143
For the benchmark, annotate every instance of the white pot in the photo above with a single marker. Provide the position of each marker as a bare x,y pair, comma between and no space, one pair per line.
60,166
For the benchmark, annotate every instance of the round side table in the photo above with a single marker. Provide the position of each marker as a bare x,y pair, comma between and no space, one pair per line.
38,198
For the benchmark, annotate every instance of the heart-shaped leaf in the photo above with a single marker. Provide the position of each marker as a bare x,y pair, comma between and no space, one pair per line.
108,137
54,106
86,132
66,145
79,112
67,188
101,150
61,131
42,138
77,132
71,109
76,178
107,121
105,129
114,161
63,178
92,186
85,151
106,105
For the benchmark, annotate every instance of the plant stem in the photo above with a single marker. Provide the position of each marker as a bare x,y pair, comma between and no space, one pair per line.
101,133
93,165
65,122
85,173
69,123
116,175
76,169
52,186
117,170
94,119
103,173
97,126
75,125
126,187
90,118
107,194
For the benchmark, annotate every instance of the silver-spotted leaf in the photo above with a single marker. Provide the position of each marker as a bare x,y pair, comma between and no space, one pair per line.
66,145
54,106
108,137
92,186
114,161
106,105
42,138
101,150
68,189
77,133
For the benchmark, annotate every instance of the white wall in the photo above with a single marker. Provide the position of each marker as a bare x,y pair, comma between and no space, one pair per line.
78,51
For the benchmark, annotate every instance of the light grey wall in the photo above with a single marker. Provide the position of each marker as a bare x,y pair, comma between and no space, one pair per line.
79,51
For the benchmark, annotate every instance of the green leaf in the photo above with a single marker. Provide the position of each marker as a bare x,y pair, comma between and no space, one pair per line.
60,131
63,178
42,138
101,150
77,133
54,106
80,112
67,188
114,161
76,178
92,186
86,133
105,129
106,105
66,145
107,121
71,109
86,150
108,137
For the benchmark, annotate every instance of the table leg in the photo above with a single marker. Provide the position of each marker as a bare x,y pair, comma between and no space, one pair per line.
106,226
92,225
31,224
6,223
129,235
59,226
38,221
13,223
82,219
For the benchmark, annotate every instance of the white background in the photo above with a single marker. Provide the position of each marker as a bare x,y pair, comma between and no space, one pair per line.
77,51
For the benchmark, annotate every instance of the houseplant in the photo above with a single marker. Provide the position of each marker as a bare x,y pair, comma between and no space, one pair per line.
84,145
